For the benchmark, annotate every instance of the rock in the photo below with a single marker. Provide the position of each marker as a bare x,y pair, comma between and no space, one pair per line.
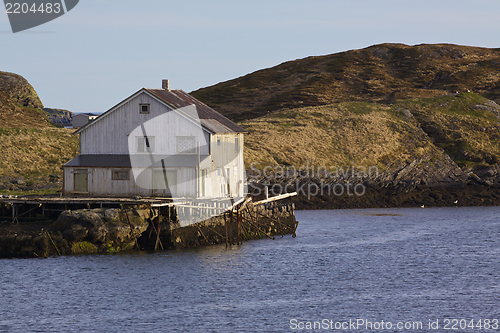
59,116
380,52
105,229
490,106
475,178
407,113
436,196
19,90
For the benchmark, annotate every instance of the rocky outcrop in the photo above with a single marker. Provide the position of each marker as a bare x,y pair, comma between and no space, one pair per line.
19,90
75,231
59,116
105,229
490,106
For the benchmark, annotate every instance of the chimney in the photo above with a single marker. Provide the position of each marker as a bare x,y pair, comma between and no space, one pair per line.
165,85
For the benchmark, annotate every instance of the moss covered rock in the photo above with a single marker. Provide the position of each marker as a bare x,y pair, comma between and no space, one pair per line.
101,230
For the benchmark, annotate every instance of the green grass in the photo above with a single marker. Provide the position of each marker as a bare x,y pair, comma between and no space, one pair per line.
469,136
35,153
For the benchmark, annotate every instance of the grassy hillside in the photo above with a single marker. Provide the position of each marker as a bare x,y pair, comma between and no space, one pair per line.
381,73
32,150
466,126
34,154
16,116
369,134
32,157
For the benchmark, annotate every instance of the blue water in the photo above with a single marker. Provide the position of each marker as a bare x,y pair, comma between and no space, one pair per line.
392,265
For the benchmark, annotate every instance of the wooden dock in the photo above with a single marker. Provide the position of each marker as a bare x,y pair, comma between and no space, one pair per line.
30,208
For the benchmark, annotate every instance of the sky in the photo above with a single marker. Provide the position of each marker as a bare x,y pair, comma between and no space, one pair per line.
103,51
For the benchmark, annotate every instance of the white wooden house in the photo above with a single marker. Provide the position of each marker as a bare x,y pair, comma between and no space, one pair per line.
158,142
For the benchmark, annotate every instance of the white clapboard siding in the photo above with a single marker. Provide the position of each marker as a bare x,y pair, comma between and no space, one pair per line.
225,156
116,133
110,134
100,182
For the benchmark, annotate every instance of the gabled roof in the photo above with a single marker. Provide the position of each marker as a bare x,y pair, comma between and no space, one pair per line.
85,114
209,118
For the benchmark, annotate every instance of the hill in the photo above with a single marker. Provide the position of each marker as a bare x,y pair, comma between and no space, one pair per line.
437,151
441,133
380,73
20,105
19,91
32,149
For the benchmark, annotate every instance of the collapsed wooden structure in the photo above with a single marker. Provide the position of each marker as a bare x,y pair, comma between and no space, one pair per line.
241,221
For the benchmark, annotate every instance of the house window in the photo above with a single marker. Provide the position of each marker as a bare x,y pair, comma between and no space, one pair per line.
145,144
218,141
186,145
120,174
144,108
236,144
219,172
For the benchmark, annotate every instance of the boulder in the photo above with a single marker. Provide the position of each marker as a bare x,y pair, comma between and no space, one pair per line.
106,229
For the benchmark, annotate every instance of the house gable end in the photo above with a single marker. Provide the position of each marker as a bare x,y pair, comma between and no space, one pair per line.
130,99
113,133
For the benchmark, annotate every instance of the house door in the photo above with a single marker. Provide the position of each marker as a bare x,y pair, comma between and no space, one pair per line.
160,187
81,180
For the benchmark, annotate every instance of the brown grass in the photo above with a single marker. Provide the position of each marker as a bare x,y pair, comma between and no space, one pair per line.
369,134
380,73
35,152
361,134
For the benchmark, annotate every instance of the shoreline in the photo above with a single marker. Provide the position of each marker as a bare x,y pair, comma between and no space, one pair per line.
459,195
144,228
389,197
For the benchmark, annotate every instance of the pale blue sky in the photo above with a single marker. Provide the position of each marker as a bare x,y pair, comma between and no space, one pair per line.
103,51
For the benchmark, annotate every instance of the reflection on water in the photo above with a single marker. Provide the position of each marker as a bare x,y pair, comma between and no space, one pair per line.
379,264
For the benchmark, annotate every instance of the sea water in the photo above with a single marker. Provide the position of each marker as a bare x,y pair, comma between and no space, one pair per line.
431,269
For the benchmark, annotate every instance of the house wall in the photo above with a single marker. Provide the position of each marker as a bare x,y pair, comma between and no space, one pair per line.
225,157
100,183
110,134
80,120
115,133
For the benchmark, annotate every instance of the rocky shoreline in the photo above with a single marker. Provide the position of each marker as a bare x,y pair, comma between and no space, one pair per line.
423,196
419,182
141,228
117,229
75,232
